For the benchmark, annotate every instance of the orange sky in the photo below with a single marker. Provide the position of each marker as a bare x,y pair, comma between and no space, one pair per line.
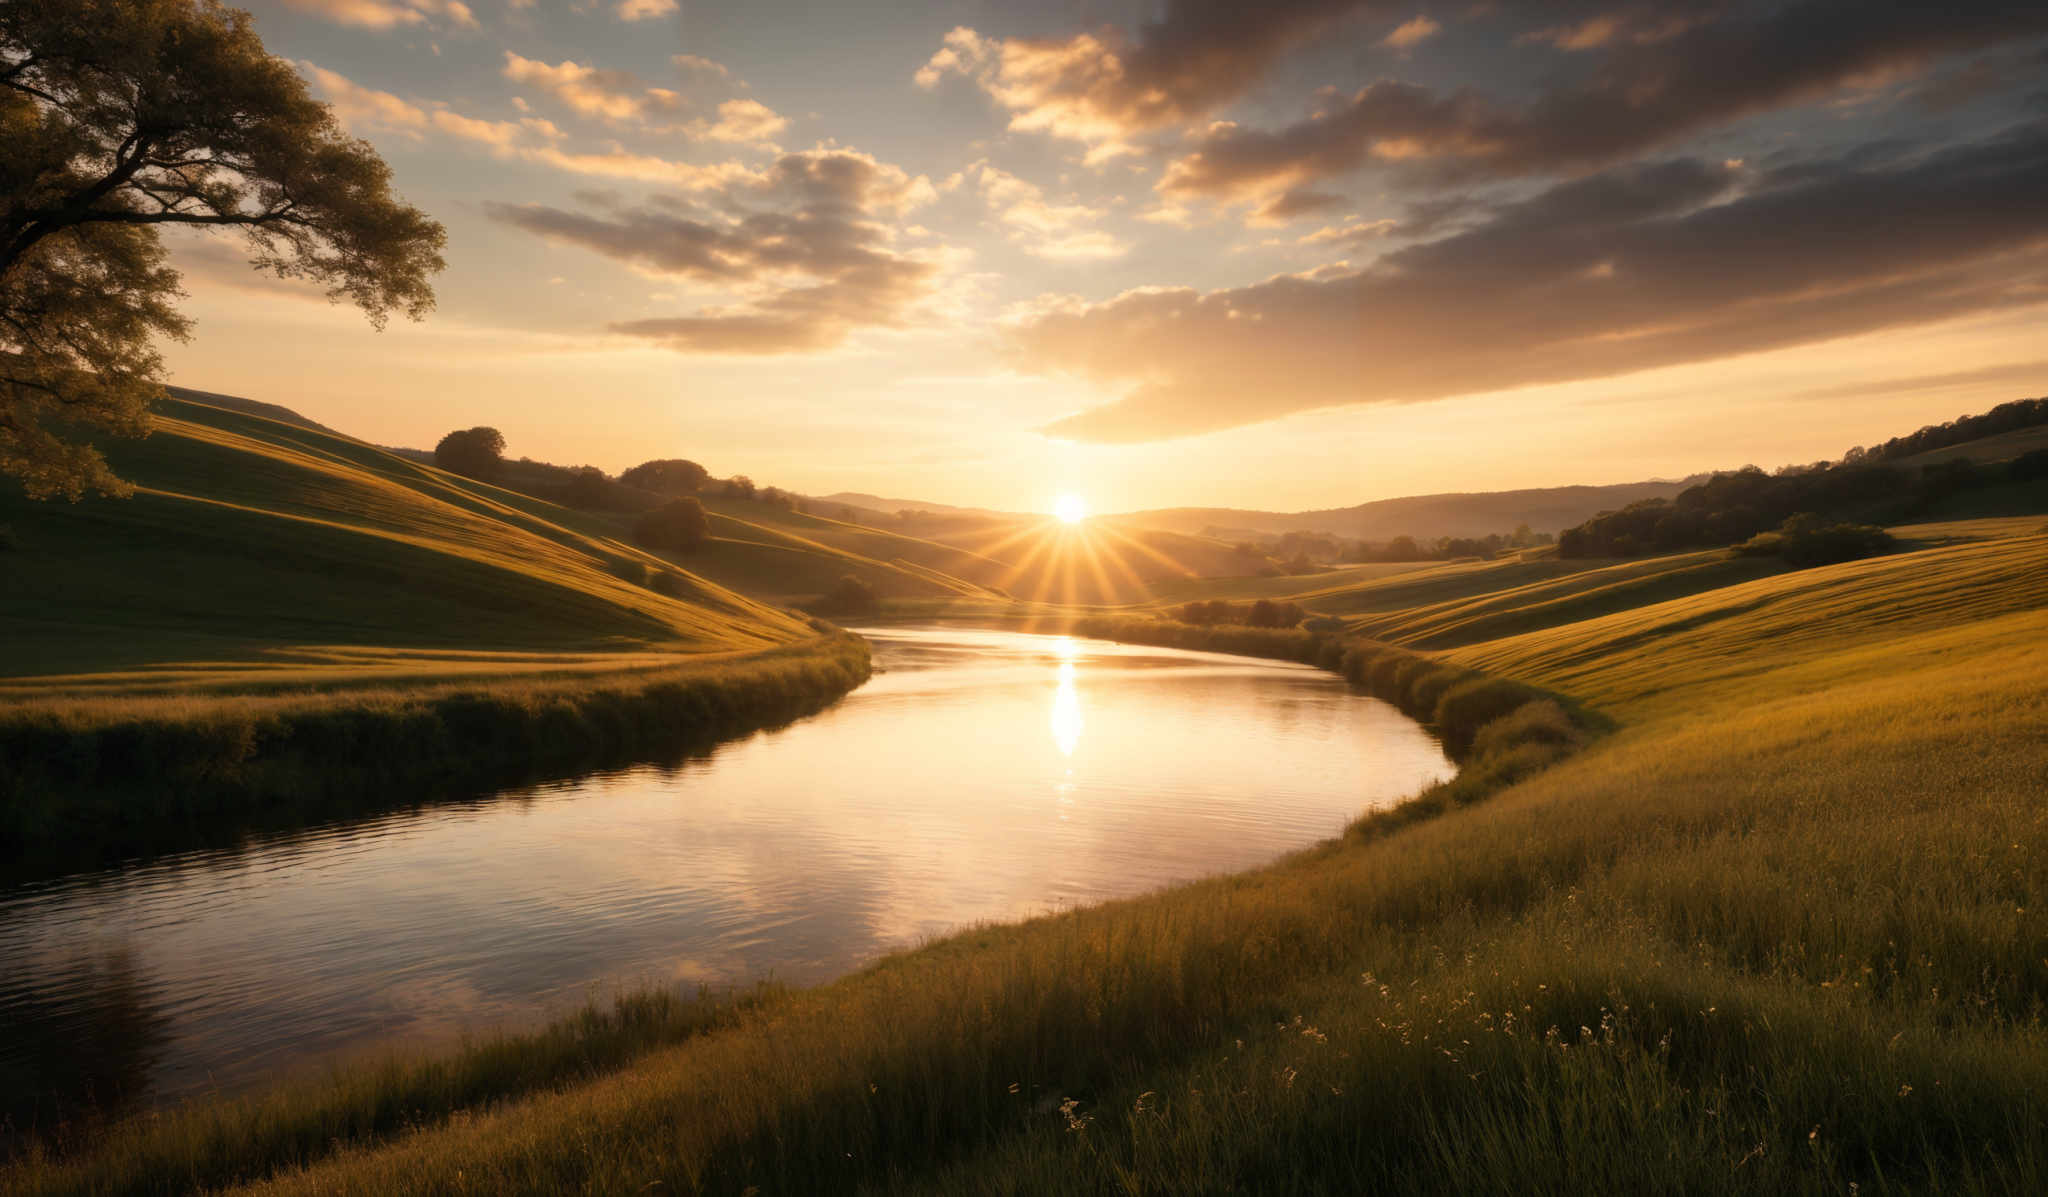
1286,256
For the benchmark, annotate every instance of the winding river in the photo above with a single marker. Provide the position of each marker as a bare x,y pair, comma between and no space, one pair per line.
979,776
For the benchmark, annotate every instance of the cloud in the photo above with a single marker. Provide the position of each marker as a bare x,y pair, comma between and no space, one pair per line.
1059,232
644,10
530,139
1411,33
694,64
742,121
589,91
1104,87
618,96
805,243
384,15
1635,268
361,109
1358,232
1650,85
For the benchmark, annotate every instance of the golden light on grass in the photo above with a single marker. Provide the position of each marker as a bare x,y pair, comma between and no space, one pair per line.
1070,508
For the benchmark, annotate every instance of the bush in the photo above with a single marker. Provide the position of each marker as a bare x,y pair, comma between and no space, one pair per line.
2028,467
678,524
1384,679
1426,688
1540,722
670,583
631,570
1472,704
1806,540
850,597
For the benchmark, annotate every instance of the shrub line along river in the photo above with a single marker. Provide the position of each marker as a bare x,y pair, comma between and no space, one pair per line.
979,776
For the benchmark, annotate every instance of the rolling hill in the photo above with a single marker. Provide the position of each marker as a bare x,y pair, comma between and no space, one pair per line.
1545,509
255,547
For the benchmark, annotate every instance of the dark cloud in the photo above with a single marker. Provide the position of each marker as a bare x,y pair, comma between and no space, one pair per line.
1636,268
806,240
1104,85
1625,91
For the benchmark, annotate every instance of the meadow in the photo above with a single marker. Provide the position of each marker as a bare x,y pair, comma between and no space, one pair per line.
1776,926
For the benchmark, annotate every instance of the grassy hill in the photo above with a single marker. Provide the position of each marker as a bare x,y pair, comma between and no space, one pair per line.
1781,931
283,625
257,548
1544,509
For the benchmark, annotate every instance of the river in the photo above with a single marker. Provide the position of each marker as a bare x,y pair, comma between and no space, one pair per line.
980,775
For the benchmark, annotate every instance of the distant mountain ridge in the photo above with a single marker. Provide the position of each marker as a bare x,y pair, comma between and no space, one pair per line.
1544,509
868,502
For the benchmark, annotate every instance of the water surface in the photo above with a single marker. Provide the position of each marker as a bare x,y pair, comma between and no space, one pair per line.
980,775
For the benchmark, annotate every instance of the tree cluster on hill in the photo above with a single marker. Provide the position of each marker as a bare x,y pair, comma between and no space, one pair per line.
2006,417
1807,539
1729,509
1450,548
480,453
667,476
1261,613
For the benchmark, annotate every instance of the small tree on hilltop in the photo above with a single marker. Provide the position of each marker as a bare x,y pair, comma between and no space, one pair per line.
121,116
739,486
678,524
473,453
667,476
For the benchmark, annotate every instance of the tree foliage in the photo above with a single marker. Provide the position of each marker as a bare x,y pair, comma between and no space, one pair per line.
667,476
477,453
678,524
119,118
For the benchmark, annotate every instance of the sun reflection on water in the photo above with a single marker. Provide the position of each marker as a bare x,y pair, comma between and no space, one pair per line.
1066,711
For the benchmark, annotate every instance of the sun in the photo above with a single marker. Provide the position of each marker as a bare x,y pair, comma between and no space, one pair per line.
1071,509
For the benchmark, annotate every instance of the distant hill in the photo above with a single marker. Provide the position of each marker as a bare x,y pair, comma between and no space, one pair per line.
869,502
1544,509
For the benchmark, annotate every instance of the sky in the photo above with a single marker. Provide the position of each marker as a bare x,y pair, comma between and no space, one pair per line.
1289,255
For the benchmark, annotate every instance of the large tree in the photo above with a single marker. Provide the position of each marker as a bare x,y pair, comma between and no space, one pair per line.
477,453
120,117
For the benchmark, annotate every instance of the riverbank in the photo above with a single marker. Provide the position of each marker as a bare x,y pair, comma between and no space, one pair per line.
104,777
1782,930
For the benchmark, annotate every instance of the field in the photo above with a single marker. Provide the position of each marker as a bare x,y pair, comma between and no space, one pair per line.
1783,930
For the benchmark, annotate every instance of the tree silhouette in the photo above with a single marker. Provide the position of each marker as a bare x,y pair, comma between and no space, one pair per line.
473,453
667,476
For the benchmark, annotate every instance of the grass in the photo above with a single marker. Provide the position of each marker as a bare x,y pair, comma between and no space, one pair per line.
285,625
1783,930
86,780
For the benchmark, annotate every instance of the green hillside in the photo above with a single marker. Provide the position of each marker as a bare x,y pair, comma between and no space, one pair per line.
259,549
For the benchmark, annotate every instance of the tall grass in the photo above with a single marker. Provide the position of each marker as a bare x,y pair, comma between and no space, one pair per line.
110,777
